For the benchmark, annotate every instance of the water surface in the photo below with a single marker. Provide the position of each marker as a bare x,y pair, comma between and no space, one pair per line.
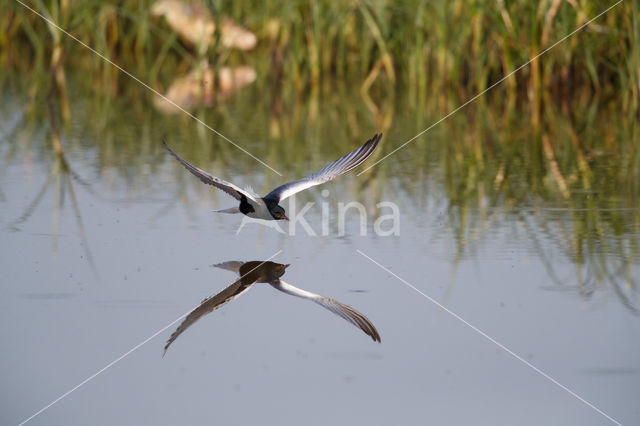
536,248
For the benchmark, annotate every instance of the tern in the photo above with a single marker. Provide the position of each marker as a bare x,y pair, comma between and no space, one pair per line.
268,207
268,272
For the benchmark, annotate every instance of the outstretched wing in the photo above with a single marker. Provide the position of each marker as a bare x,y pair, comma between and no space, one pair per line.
327,173
209,179
346,312
209,305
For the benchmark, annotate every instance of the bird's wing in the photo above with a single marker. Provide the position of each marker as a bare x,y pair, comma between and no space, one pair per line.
209,179
327,173
209,305
346,312
232,265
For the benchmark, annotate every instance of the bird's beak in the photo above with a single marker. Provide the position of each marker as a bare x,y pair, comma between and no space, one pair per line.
284,217
286,266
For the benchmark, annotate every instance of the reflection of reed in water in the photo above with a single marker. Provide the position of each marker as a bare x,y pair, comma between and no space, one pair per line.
501,170
61,175
478,169
601,259
200,87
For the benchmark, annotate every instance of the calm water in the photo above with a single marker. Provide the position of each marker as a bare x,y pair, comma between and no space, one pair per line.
97,258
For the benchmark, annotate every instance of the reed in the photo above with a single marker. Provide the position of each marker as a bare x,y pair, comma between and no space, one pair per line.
426,48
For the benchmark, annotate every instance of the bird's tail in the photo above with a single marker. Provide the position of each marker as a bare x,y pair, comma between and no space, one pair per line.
232,210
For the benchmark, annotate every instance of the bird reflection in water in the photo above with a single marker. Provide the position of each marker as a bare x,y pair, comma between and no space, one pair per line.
268,272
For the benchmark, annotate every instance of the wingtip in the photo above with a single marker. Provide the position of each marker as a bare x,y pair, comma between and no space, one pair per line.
373,333
373,143
376,138
171,151
164,142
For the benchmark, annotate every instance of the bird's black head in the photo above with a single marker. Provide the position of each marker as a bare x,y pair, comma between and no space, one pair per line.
278,212
280,269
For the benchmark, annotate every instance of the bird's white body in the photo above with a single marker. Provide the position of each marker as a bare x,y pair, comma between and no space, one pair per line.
259,207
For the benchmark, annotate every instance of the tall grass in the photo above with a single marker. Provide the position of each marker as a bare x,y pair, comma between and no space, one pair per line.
427,48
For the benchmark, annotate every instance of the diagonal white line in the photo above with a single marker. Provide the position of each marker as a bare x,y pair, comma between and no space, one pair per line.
115,361
491,339
493,85
53,24
64,395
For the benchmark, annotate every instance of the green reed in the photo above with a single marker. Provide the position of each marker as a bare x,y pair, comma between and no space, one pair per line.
428,47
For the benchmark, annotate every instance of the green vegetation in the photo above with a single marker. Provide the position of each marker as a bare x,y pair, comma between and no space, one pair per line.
427,48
